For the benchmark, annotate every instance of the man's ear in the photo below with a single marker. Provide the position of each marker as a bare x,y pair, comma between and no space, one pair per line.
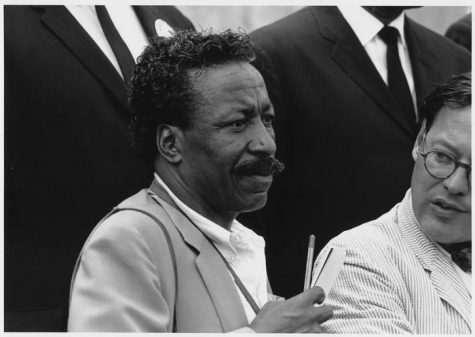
419,140
167,143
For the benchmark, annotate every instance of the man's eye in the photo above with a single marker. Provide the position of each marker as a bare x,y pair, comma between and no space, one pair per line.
268,120
442,158
239,124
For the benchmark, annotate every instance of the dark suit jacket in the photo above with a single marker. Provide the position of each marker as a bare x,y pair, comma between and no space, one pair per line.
67,153
340,133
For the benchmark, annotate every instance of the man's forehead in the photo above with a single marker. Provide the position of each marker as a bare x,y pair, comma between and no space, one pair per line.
227,77
449,118
452,129
230,88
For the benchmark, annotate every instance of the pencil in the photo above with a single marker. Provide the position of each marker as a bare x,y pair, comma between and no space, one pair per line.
308,269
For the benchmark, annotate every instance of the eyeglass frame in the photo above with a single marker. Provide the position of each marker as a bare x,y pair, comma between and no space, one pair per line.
467,167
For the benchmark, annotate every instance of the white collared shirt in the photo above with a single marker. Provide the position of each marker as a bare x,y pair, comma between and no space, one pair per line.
241,247
366,28
125,21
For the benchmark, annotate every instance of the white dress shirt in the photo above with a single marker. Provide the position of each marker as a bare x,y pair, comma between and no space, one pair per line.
366,28
125,21
242,248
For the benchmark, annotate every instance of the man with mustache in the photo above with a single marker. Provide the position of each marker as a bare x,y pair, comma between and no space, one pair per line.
409,271
173,258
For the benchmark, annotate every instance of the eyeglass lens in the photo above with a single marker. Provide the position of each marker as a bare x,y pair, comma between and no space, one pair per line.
442,165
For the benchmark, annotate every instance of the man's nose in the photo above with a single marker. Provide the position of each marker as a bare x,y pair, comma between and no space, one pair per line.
458,182
263,140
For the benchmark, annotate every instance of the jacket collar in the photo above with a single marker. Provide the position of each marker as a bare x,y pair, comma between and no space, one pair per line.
219,284
444,277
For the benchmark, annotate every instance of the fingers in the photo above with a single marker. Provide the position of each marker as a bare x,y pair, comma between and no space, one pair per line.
323,314
314,295
319,315
297,314
319,295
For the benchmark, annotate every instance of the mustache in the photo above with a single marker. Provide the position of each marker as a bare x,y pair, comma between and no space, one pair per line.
262,167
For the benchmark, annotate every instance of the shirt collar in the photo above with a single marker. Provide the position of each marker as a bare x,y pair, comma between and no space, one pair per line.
398,23
366,26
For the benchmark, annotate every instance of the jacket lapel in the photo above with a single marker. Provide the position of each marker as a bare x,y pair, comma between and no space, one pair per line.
450,287
423,61
70,32
147,19
211,267
443,276
148,15
350,55
221,288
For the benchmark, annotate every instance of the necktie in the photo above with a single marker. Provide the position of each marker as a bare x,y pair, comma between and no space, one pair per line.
397,81
120,49
461,254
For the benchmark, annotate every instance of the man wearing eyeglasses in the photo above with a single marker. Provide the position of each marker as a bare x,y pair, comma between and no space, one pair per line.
409,271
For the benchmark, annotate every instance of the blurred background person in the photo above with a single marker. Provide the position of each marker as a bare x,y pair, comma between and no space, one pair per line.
67,151
461,32
345,83
410,270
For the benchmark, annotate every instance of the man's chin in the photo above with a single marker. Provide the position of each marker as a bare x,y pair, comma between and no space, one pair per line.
253,191
444,231
258,201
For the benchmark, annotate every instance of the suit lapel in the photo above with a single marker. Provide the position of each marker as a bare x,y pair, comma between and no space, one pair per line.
70,32
351,57
211,267
148,15
423,61
221,288
147,19
443,276
450,287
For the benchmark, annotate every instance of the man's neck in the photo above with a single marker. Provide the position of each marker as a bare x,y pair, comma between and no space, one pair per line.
191,199
384,14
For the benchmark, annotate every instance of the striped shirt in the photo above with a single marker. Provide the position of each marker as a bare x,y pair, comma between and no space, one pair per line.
396,280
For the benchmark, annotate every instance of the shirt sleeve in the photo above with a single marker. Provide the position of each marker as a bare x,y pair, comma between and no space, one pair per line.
365,299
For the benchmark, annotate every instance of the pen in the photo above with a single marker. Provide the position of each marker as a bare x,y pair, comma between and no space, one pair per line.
308,269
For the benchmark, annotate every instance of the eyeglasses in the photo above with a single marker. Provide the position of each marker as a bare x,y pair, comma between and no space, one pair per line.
442,165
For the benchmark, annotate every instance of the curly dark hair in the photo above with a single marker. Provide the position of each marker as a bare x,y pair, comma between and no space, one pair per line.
161,90
456,93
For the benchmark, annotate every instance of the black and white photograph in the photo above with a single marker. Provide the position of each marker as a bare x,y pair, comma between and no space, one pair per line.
247,168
